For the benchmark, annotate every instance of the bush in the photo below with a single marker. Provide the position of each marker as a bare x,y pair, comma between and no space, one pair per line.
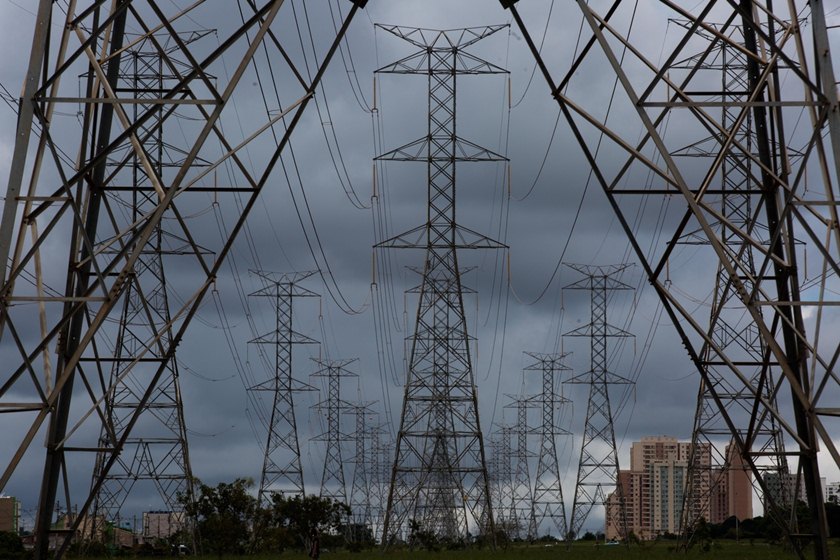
11,547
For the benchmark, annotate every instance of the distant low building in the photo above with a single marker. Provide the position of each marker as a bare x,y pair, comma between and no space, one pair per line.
162,524
95,529
87,529
121,537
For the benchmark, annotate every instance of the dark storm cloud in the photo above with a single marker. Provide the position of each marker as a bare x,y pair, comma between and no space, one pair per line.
225,432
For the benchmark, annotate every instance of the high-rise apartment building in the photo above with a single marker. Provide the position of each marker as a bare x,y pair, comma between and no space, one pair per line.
9,514
783,488
731,489
654,489
832,492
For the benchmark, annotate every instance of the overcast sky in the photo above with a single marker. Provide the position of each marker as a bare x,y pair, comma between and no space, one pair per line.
555,211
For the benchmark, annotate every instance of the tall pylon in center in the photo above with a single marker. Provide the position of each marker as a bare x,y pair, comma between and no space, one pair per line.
439,479
598,469
282,471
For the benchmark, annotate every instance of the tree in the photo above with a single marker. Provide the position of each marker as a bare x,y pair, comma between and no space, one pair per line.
224,516
702,535
420,537
11,547
307,518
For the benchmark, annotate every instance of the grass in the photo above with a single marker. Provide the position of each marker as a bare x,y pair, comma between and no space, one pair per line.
579,551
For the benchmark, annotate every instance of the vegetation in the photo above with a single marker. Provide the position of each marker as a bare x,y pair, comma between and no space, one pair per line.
224,516
662,550
229,521
303,521
11,547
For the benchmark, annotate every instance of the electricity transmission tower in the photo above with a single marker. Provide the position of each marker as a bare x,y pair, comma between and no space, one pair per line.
598,468
710,464
157,449
361,488
381,454
503,477
72,177
522,514
494,466
548,488
333,484
282,471
790,79
439,478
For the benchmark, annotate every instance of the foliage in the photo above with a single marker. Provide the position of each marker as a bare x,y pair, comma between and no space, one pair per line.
224,516
361,537
95,548
11,547
580,550
418,537
832,512
306,518
703,536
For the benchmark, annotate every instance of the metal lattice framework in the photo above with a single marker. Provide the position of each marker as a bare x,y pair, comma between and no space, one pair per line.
597,475
710,464
494,467
58,200
548,488
157,449
282,471
67,179
790,78
333,482
503,476
439,478
522,516
362,497
379,475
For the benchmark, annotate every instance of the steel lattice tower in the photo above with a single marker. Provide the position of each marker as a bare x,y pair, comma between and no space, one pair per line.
361,487
548,488
522,513
333,484
380,456
503,477
494,466
598,468
790,78
70,183
157,449
710,462
282,471
439,478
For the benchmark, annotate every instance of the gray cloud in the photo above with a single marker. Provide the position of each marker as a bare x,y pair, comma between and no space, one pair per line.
225,434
